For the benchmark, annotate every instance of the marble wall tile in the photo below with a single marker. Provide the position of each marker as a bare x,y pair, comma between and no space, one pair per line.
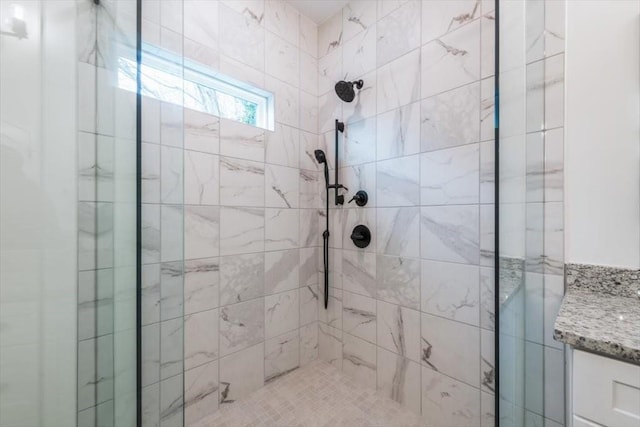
399,82
336,226
332,315
309,74
451,176
451,291
241,373
554,165
387,6
553,294
150,125
450,233
357,16
398,280
328,110
171,299
171,175
309,225
241,182
150,293
198,16
241,326
451,348
399,330
95,235
200,338
330,344
309,302
554,35
487,364
554,385
452,60
487,172
398,132
329,72
308,112
554,238
309,142
241,71
359,272
359,316
201,178
446,401
150,406
359,53
487,109
281,229
283,145
171,348
554,92
364,104
534,31
171,125
283,59
201,53
359,360
399,379
201,231
287,102
398,182
309,185
359,142
330,35
398,32
451,118
241,38
310,265
282,313
442,17
95,371
487,285
241,230
398,231
242,278
534,152
282,19
281,271
488,40
171,401
281,186
201,284
242,141
150,233
487,410
95,167
308,343
150,173
308,37
201,392
535,95
282,355
253,9
95,303
487,235
360,177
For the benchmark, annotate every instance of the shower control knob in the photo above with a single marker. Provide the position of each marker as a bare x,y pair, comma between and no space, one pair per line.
361,198
361,236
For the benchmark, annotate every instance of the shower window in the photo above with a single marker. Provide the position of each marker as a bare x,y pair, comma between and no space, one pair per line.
165,76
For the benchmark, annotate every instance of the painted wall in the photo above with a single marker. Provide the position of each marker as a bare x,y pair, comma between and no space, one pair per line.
603,133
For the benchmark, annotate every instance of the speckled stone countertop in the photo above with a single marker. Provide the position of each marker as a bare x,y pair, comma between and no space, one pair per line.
600,311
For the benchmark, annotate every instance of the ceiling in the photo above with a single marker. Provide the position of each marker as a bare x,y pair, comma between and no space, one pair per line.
318,10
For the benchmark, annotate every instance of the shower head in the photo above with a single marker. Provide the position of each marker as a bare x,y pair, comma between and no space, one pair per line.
346,91
320,156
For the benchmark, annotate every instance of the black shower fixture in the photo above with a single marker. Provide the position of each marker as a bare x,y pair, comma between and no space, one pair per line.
361,198
346,91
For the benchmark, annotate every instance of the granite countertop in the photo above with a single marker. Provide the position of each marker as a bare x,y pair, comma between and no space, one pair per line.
600,312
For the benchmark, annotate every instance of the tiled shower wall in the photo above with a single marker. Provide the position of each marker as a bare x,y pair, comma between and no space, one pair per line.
230,213
532,212
412,314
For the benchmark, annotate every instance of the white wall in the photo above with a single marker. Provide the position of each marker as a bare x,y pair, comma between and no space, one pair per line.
603,140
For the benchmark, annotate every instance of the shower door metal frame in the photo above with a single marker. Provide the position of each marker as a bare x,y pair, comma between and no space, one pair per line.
496,205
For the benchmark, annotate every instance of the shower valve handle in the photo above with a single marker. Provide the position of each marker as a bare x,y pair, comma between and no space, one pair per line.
361,198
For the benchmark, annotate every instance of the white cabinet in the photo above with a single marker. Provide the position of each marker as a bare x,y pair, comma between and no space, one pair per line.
606,392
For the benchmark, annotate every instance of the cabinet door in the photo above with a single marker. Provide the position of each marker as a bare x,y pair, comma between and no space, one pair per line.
606,391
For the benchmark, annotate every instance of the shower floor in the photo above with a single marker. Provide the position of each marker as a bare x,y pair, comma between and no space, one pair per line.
313,396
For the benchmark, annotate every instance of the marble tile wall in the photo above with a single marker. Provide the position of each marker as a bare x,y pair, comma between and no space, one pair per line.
411,314
230,213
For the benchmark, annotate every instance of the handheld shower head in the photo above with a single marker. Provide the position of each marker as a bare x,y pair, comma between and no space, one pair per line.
346,91
320,156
